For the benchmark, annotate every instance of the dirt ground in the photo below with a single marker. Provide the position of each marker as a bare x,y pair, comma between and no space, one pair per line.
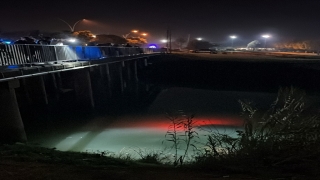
12,170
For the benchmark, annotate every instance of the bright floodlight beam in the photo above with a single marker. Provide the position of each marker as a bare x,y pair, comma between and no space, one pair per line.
232,38
72,40
265,36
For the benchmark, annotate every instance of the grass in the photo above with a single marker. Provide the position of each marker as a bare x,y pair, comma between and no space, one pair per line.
284,139
21,161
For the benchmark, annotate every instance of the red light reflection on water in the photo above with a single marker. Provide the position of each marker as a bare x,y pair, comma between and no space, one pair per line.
163,123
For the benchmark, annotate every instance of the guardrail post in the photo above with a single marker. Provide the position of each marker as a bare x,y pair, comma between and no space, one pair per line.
11,125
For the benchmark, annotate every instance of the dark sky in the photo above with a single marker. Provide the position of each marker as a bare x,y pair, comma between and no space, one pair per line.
213,20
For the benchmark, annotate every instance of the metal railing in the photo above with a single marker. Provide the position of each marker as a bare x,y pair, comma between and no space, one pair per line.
26,54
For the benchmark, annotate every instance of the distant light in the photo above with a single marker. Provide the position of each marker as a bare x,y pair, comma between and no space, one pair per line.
135,31
266,36
164,41
144,34
199,39
72,40
152,46
233,37
94,36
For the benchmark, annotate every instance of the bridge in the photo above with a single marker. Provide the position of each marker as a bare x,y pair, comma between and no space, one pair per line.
41,69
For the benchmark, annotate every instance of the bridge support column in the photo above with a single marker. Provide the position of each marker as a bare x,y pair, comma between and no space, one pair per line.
43,89
55,86
101,70
129,70
122,83
108,72
36,89
136,71
83,88
11,125
109,80
145,62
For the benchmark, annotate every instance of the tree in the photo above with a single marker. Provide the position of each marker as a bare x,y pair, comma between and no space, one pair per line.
84,36
196,44
312,45
104,38
138,41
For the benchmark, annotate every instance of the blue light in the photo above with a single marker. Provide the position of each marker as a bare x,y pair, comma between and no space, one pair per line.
13,67
7,42
153,46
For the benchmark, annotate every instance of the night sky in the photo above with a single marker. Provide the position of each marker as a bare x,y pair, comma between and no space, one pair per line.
213,20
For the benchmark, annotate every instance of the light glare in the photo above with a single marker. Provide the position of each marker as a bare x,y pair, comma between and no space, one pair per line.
266,36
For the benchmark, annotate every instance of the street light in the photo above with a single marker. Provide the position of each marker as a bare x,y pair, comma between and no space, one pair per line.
232,38
74,25
199,39
164,41
266,36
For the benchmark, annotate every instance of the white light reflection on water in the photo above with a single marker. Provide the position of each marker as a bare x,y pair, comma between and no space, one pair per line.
217,111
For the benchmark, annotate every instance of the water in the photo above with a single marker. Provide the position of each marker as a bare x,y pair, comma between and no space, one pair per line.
216,110
125,122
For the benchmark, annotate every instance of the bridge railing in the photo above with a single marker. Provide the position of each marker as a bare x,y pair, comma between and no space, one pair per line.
25,54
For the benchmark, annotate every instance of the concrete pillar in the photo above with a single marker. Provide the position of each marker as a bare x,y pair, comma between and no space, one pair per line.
101,70
59,80
83,88
128,71
145,62
26,92
109,80
55,85
11,125
136,71
122,84
108,72
43,89
36,89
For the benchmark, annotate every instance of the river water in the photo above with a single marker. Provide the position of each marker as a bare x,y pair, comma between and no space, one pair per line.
137,121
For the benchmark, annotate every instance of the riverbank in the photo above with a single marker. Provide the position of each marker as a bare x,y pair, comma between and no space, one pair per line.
30,162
